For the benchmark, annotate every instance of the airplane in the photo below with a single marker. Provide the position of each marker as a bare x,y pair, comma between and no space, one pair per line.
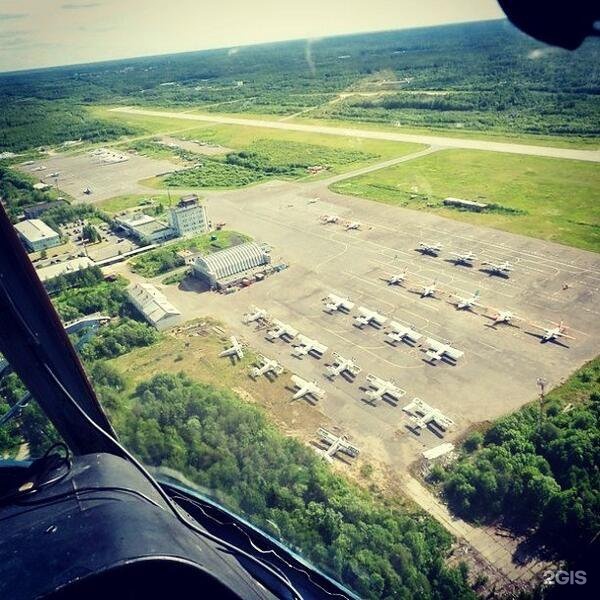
87,191
463,258
55,174
313,200
353,225
327,219
40,168
504,316
429,290
553,333
281,330
368,317
307,346
342,365
255,314
336,444
306,388
401,333
378,388
501,269
397,279
431,249
235,350
422,414
265,366
468,303
334,303
438,351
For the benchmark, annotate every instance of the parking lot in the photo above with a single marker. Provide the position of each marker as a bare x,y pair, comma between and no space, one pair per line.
94,172
500,366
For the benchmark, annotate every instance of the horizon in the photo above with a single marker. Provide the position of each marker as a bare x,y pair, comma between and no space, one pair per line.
84,33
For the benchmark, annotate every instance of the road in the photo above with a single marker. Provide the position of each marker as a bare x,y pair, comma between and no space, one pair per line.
429,140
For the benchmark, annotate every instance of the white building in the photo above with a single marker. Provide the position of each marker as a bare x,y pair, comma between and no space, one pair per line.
145,228
37,235
153,305
230,263
65,267
188,217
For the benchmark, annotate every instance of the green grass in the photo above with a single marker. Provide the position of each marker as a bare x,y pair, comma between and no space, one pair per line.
553,199
120,203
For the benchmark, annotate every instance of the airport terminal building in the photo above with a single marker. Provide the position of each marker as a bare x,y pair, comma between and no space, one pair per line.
231,264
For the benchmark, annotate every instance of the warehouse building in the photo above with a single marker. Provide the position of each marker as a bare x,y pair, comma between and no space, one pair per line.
144,228
226,266
188,217
36,235
153,305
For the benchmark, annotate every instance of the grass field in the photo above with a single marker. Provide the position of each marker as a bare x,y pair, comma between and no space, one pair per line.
120,203
552,199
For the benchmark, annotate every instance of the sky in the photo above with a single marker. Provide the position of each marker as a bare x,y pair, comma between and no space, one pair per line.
42,33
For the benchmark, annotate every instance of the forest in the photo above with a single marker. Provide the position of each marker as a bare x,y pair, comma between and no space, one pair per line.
537,470
476,76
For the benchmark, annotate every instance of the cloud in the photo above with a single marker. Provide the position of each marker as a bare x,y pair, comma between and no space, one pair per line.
75,6
11,16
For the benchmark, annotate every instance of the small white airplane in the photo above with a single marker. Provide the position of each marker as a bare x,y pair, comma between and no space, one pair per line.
463,258
306,388
40,168
313,200
255,314
468,303
431,249
54,175
397,279
378,388
504,316
334,303
422,414
336,444
329,219
401,333
368,317
266,366
429,290
281,330
438,350
353,225
235,350
342,365
306,346
502,269
553,333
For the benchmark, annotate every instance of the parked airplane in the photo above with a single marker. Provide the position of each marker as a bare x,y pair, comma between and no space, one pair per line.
422,414
353,225
438,350
334,303
328,219
54,175
306,388
307,346
429,290
553,333
431,249
379,388
336,444
255,314
342,365
235,350
265,366
397,279
504,316
281,330
368,317
467,303
463,258
401,333
502,269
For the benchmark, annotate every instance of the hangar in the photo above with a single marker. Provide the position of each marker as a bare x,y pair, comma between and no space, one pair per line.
152,304
231,263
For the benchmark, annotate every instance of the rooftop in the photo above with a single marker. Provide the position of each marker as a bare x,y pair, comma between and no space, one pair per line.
62,268
34,230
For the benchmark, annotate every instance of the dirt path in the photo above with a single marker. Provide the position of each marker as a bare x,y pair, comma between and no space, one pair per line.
429,140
